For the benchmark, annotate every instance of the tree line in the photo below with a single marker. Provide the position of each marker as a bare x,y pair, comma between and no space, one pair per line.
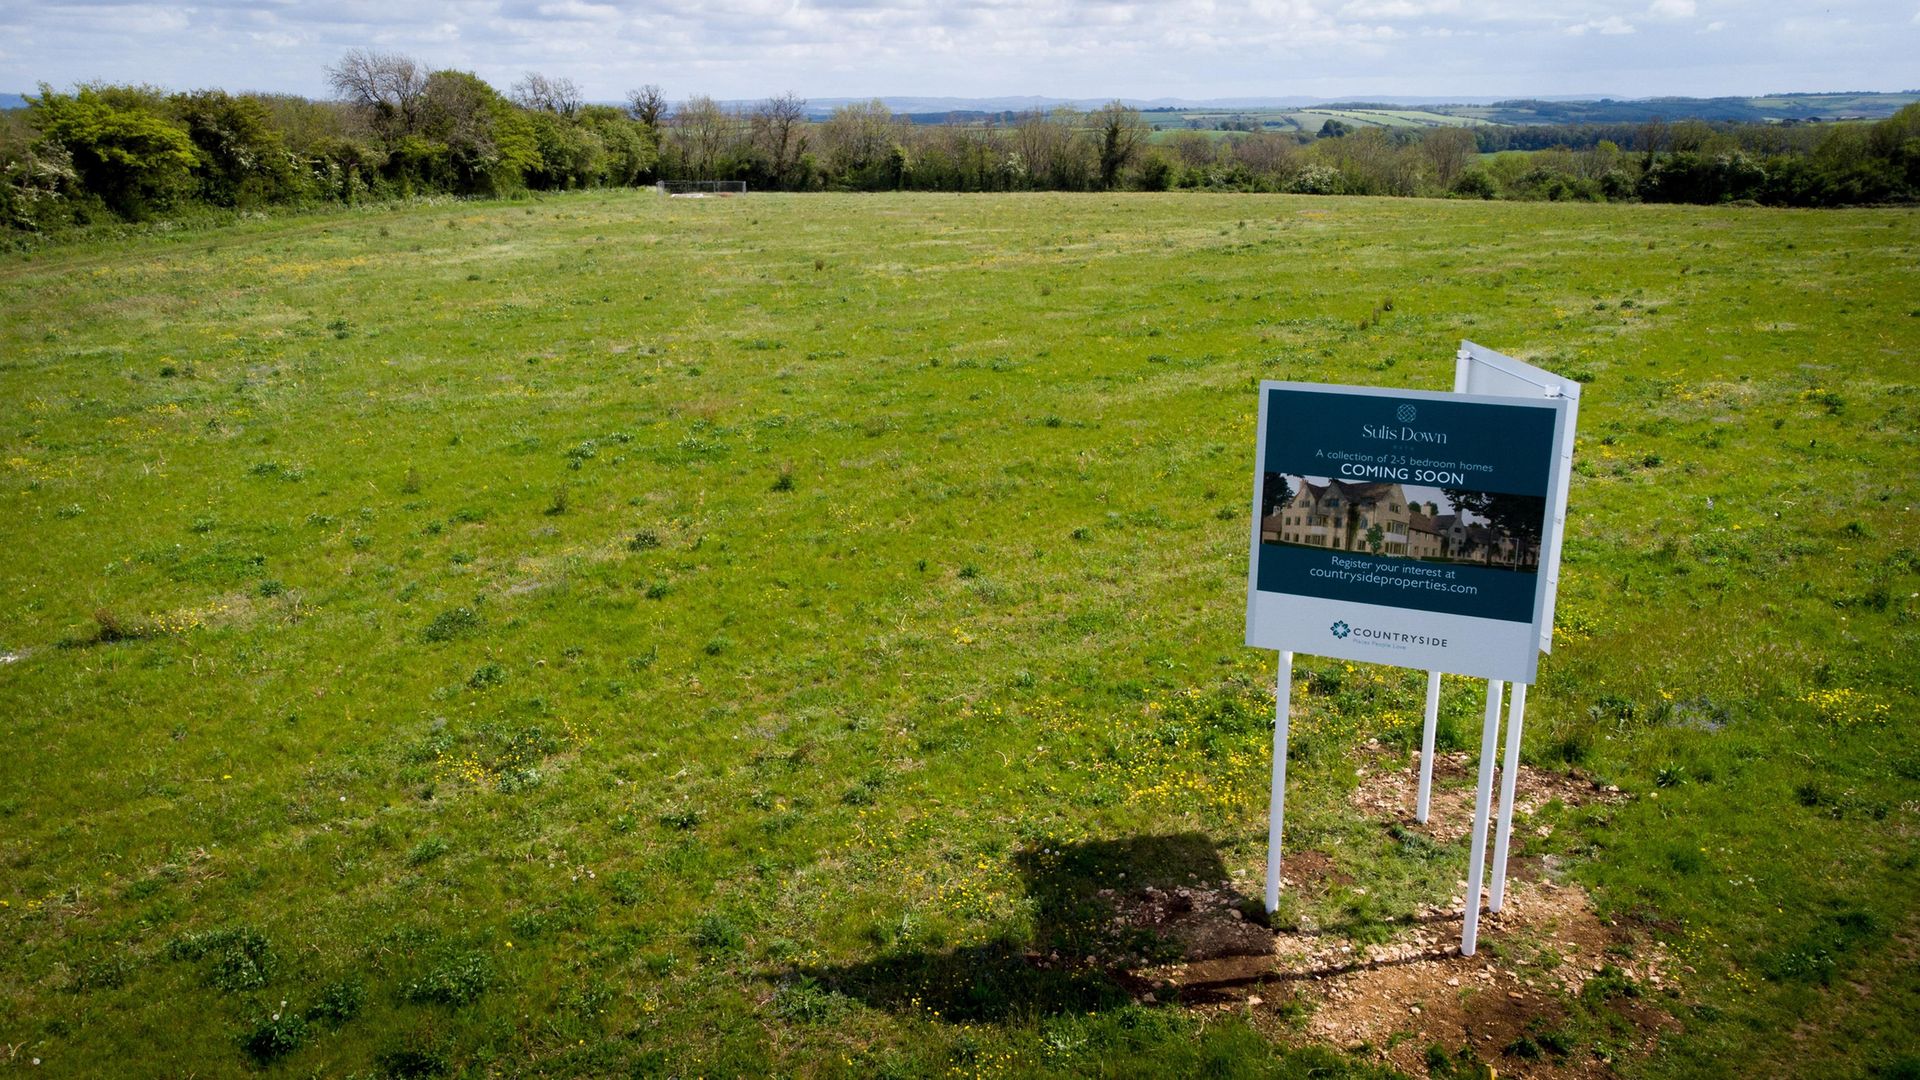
396,128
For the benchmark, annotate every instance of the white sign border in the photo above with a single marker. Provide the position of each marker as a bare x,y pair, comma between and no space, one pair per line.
1266,629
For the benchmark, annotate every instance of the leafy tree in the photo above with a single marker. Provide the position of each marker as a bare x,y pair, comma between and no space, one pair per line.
632,149
1519,516
569,155
1194,149
133,159
471,140
1155,173
1275,493
243,160
1121,134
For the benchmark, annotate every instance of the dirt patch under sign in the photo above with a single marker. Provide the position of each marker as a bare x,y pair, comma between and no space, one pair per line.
1509,1006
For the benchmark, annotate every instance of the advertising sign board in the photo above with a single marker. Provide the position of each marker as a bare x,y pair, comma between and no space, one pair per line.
1405,527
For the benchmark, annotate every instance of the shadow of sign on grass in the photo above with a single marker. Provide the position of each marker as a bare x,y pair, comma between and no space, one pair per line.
1103,910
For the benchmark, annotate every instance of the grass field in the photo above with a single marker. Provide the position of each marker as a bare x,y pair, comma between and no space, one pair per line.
1311,120
608,635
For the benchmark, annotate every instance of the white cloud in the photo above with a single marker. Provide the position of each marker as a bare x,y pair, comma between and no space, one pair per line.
1612,24
1398,9
747,49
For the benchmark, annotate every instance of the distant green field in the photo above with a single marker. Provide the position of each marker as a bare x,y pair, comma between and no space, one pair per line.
1766,109
609,635
1310,120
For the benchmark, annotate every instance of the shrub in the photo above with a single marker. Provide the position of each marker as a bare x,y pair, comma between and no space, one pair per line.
1476,184
1317,180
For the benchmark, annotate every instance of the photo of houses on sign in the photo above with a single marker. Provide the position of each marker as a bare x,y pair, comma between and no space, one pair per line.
1430,524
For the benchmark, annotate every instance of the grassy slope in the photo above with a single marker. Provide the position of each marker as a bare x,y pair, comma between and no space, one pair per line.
893,603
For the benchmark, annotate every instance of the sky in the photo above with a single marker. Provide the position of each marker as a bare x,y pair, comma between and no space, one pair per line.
744,49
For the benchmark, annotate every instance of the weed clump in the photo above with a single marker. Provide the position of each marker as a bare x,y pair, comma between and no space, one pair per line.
456,981
427,851
109,627
684,818
411,1064
242,957
339,1002
275,1037
715,934
626,887
450,624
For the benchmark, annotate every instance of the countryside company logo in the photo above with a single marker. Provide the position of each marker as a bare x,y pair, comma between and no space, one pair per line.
1387,638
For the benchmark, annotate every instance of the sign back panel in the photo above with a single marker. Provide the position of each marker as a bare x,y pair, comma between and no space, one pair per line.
1403,526
1480,370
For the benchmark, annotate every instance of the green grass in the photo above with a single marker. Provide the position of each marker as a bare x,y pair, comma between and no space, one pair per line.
604,635
1311,120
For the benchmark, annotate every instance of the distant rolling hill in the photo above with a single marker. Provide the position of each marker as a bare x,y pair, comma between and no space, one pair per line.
1843,106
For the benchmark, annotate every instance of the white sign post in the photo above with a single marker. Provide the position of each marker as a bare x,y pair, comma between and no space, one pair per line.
1352,557
1480,370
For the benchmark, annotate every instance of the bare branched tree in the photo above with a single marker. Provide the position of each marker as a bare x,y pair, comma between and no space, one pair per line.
1059,155
542,94
859,135
703,132
1193,149
780,132
387,88
1448,152
648,105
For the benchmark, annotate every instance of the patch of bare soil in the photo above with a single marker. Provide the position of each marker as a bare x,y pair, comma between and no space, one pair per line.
1389,790
1393,1000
